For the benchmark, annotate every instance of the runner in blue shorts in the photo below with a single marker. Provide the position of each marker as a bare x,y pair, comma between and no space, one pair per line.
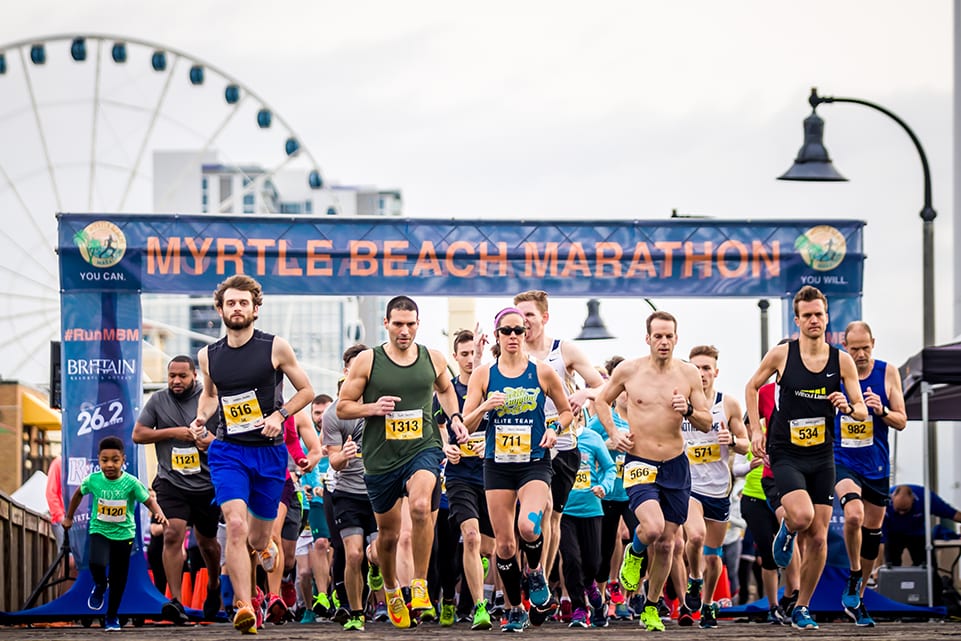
244,374
661,392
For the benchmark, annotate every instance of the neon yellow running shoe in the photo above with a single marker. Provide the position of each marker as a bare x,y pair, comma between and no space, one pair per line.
630,574
651,620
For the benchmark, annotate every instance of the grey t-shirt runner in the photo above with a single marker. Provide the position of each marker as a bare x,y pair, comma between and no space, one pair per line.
350,480
178,462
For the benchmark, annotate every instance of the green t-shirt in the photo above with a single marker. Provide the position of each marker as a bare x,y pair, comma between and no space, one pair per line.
112,504
752,482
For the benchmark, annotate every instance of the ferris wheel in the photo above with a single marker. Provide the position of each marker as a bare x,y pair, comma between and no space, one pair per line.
83,122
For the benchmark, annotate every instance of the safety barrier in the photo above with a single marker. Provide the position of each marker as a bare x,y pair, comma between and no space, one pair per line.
27,548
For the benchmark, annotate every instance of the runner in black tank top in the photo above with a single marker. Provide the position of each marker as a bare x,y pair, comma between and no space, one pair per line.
243,373
801,436
803,424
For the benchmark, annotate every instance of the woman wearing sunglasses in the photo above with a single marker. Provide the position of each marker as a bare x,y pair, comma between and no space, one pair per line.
517,461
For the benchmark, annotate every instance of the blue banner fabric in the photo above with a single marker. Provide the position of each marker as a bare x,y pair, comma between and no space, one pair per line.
345,256
102,386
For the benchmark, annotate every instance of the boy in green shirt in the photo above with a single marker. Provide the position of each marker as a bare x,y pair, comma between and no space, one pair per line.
112,529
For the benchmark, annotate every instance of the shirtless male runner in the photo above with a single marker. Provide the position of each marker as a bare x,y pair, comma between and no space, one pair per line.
661,392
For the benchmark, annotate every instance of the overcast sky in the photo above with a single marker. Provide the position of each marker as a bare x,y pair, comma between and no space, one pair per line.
607,109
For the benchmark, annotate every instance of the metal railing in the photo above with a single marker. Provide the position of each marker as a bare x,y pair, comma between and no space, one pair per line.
27,549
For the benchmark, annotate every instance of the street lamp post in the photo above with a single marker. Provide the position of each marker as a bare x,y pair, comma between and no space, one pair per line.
813,164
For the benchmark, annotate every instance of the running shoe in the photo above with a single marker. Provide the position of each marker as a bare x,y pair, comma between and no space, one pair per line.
708,616
540,613
685,617
851,597
539,593
355,623
428,615
448,613
245,620
650,619
419,598
516,620
321,605
482,618
861,617
566,611
663,609
397,609
95,600
776,616
111,624
622,612
375,580
497,608
268,557
212,604
257,603
341,616
599,616
787,602
308,617
783,546
579,619
630,574
692,598
276,610
615,592
486,564
380,612
174,612
594,595
801,619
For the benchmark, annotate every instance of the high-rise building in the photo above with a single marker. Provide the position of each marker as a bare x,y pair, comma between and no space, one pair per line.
319,328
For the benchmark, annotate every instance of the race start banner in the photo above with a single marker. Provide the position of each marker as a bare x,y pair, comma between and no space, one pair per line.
436,257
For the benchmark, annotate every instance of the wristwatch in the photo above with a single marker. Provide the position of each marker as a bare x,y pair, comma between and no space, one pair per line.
884,410
283,412
690,410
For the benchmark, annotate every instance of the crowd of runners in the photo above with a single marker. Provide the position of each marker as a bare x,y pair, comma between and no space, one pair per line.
520,485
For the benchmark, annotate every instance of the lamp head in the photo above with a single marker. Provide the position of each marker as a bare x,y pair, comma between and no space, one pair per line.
812,162
593,328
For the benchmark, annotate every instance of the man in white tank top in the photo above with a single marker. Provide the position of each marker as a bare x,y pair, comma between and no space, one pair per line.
711,483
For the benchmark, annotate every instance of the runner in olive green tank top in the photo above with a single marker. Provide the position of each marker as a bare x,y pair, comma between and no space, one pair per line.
393,440
391,387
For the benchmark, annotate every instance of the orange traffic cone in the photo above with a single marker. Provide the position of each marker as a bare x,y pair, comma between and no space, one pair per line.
200,589
723,590
186,590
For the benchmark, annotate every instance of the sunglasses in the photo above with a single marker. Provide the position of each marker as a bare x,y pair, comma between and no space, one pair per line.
507,331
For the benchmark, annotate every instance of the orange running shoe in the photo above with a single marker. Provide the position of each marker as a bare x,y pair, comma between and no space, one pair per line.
245,620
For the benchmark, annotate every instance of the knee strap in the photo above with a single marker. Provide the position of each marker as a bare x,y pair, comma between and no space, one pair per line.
718,551
850,496
870,543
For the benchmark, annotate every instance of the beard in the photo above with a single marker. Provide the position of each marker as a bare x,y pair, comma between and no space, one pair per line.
238,323
186,392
